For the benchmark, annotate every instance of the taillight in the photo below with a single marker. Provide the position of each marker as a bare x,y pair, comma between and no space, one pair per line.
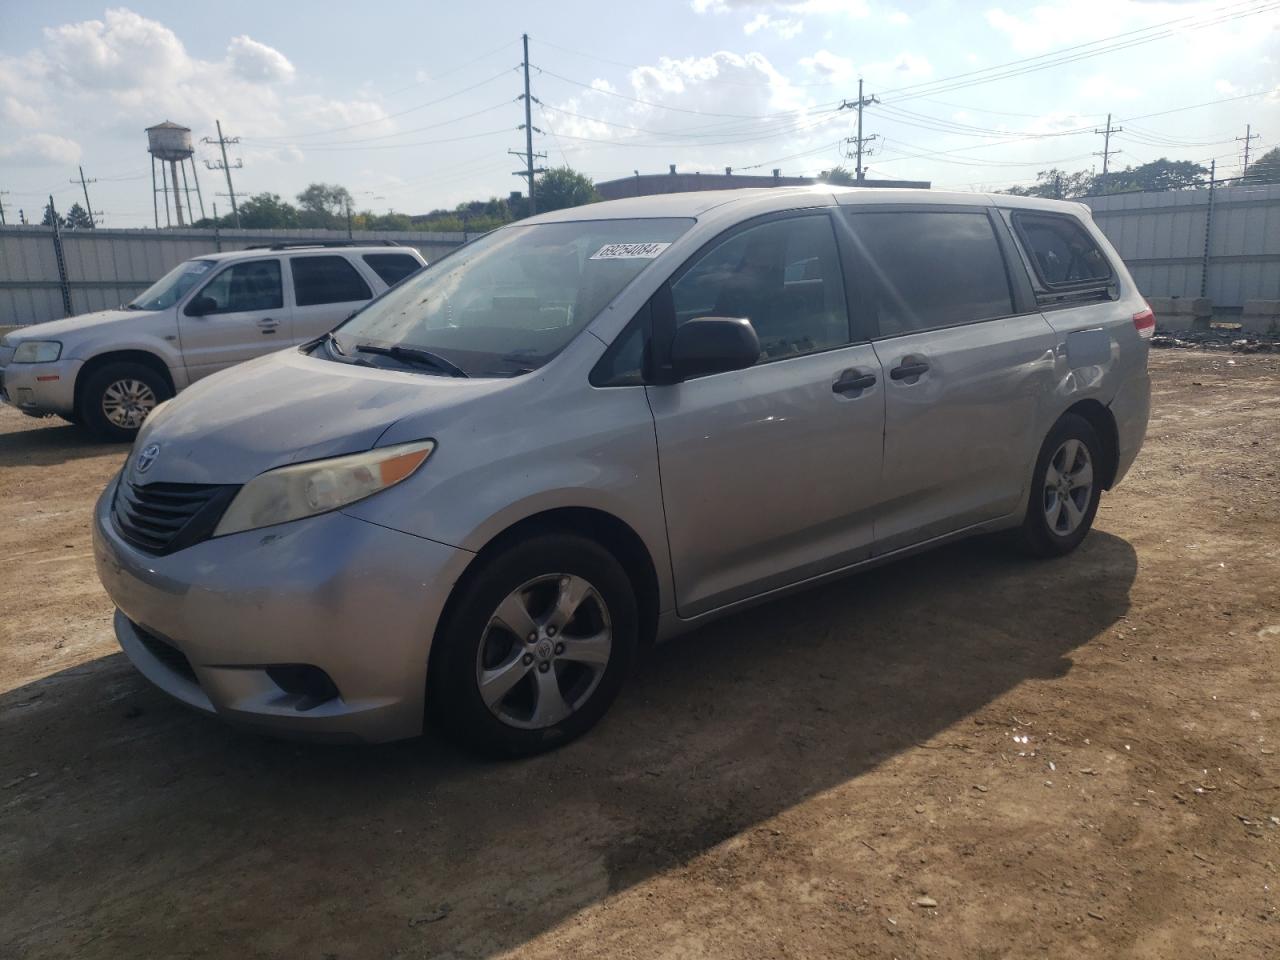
1145,323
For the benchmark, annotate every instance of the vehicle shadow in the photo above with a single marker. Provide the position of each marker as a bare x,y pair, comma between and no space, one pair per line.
50,443
148,830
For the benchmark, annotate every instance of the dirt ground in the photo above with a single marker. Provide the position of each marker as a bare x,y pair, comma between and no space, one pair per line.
964,755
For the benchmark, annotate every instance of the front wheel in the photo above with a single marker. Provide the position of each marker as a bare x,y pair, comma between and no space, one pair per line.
118,397
536,647
1065,489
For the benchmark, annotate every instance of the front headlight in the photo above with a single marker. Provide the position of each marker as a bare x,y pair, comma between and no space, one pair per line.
37,351
305,489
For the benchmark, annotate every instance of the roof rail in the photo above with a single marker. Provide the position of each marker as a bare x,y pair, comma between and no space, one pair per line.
304,244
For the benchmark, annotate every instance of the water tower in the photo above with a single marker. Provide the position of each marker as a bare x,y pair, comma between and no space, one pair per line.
170,143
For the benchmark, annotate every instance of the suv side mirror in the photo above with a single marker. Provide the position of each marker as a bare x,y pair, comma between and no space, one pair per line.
201,306
713,345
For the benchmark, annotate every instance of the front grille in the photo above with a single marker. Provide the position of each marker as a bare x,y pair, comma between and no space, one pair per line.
167,653
163,517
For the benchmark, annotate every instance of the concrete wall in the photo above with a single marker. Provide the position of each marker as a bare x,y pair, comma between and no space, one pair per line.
108,267
1161,236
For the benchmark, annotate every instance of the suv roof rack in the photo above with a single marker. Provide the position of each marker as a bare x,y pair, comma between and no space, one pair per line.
302,244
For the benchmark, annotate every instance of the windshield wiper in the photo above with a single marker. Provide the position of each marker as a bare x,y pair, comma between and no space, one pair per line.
414,355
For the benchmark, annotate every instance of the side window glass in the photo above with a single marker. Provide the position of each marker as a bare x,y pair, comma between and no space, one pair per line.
246,286
623,363
924,270
392,267
1061,250
784,276
319,280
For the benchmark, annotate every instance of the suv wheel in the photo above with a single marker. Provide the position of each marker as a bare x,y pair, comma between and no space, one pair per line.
118,397
537,647
1065,489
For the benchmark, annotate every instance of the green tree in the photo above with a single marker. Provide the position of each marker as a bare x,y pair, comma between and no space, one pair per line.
838,176
78,218
562,187
1266,169
323,205
1056,184
264,211
1162,174
49,217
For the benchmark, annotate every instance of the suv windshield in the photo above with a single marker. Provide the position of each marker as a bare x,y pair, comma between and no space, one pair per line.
511,300
172,287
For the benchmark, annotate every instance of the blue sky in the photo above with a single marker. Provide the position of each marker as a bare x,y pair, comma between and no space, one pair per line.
412,105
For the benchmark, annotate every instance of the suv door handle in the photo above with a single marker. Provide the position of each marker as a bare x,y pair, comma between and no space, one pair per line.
851,381
910,367
268,325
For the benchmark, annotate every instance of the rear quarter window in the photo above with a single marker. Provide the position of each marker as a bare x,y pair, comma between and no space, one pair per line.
392,267
1061,251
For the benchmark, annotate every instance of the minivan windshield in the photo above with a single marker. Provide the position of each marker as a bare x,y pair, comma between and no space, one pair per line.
172,287
508,302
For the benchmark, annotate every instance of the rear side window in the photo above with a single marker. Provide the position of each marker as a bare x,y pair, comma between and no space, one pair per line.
925,270
784,276
392,267
319,280
1061,250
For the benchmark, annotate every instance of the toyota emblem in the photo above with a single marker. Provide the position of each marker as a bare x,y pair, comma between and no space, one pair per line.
147,456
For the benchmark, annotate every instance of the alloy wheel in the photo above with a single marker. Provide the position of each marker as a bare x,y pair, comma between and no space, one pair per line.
1068,487
126,403
544,651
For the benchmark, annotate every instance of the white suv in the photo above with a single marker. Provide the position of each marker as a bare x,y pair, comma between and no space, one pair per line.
108,370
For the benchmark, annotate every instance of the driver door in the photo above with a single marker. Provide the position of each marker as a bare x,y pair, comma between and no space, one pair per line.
248,317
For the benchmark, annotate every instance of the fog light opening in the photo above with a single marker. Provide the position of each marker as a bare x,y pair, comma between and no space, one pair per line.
311,684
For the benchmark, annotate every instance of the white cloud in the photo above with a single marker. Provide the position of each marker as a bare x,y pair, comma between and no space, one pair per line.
784,27
850,8
899,18
1102,90
37,149
257,62
835,69
18,113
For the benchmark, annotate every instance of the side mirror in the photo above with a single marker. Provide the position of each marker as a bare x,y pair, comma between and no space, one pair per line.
201,306
713,345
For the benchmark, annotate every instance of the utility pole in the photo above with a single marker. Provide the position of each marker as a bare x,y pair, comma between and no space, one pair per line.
1106,146
226,167
2,193
84,185
1248,136
529,156
860,141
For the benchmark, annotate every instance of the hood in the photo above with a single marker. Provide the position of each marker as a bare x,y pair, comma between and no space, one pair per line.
285,408
53,329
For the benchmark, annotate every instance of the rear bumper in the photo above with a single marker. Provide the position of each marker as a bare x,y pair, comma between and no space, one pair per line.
1131,409
38,389
354,599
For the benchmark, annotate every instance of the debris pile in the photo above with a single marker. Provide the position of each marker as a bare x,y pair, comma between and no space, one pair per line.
1218,340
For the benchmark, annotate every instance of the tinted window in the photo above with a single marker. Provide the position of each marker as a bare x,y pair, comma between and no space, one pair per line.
326,280
783,276
392,267
246,286
511,300
918,271
1061,249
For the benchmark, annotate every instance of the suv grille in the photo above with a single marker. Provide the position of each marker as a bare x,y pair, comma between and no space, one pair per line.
163,517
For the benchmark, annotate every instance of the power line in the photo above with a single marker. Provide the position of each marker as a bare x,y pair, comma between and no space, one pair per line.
225,167
1106,144
88,208
859,141
528,128
1249,135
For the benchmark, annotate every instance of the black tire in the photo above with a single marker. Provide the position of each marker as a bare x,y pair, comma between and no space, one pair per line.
72,418
1039,536
453,687
91,413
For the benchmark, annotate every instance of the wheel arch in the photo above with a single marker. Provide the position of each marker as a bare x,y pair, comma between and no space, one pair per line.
612,533
98,361
1103,422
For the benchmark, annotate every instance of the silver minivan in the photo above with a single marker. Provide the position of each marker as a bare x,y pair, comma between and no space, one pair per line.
480,497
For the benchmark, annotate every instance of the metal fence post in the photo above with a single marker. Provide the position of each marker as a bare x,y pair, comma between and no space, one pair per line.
63,283
1208,230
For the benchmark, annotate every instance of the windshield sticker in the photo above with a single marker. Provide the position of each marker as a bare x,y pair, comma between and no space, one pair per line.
629,251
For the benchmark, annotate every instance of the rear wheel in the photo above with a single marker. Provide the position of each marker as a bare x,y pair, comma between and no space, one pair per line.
536,648
118,397
1065,489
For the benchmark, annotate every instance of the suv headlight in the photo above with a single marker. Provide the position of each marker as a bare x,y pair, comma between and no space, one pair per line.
37,351
305,489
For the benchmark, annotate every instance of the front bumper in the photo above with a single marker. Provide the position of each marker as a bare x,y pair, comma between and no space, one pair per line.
39,389
357,600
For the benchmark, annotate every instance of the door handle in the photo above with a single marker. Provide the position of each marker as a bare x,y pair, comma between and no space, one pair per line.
268,325
910,367
851,381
